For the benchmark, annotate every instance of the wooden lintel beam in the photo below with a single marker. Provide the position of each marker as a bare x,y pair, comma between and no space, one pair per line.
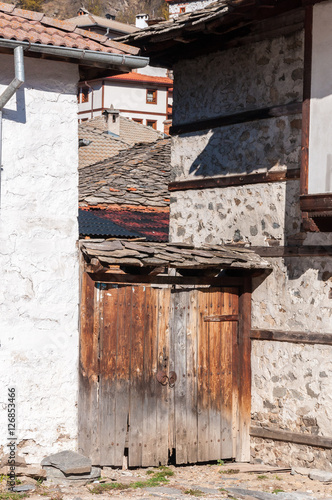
235,180
291,437
292,337
167,280
294,251
292,108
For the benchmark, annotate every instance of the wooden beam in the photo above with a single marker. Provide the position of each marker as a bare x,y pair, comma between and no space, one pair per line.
293,108
316,202
167,280
235,180
291,437
306,99
294,251
293,337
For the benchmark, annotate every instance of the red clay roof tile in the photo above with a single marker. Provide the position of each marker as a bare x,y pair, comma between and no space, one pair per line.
35,27
138,77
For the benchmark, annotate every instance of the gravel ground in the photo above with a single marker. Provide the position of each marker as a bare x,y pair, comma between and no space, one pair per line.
187,482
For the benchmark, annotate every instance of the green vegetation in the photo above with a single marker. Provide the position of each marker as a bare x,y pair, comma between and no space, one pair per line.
230,471
157,478
220,462
262,476
11,495
36,5
278,478
277,490
194,493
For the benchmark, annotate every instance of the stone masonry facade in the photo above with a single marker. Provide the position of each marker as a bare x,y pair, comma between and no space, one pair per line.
291,383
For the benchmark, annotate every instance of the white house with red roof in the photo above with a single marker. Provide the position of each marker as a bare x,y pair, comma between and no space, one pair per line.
146,99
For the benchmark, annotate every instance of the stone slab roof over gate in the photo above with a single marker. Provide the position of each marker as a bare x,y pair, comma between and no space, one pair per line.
36,27
172,255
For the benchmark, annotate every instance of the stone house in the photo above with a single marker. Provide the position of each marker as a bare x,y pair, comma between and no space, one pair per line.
39,259
251,158
177,7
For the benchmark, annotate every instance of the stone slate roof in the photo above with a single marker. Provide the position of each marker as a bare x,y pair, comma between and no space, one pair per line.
192,20
126,223
172,255
104,145
36,27
211,27
136,177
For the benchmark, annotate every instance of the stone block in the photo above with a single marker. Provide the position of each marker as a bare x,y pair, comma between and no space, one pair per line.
68,462
320,475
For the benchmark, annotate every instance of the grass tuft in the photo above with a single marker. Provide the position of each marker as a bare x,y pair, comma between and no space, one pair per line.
230,471
194,493
277,490
158,476
12,495
262,476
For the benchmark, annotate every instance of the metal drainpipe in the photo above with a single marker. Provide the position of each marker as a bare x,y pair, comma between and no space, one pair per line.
10,91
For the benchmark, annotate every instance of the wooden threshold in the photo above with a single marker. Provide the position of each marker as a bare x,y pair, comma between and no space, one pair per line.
291,437
292,337
235,180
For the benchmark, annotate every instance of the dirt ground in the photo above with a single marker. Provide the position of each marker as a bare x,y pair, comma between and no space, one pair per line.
204,481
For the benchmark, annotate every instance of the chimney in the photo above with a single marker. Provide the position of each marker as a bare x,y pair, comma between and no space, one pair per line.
112,121
141,21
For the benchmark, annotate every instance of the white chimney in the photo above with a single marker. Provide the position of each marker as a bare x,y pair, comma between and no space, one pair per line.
141,21
113,121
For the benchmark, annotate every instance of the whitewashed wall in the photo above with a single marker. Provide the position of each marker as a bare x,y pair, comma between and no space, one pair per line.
125,97
291,384
39,290
174,7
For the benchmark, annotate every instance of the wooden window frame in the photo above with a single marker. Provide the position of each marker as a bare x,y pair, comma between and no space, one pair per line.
316,208
155,99
138,120
182,10
85,91
154,122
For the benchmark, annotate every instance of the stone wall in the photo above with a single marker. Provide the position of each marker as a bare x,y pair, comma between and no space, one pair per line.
291,384
39,257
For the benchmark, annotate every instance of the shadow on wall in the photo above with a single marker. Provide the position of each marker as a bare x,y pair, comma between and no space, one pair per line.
17,115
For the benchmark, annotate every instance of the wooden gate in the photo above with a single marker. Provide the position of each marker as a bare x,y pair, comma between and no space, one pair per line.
164,369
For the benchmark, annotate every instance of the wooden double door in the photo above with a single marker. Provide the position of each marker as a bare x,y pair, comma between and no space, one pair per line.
163,372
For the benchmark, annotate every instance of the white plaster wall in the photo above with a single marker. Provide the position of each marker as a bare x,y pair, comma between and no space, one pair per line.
320,146
127,97
174,8
39,289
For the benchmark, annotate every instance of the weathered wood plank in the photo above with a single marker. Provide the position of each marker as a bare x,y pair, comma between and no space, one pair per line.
229,383
242,117
243,443
215,318
203,378
150,371
291,437
136,377
293,337
171,367
88,435
180,344
235,180
162,392
191,390
108,389
166,280
214,367
122,370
